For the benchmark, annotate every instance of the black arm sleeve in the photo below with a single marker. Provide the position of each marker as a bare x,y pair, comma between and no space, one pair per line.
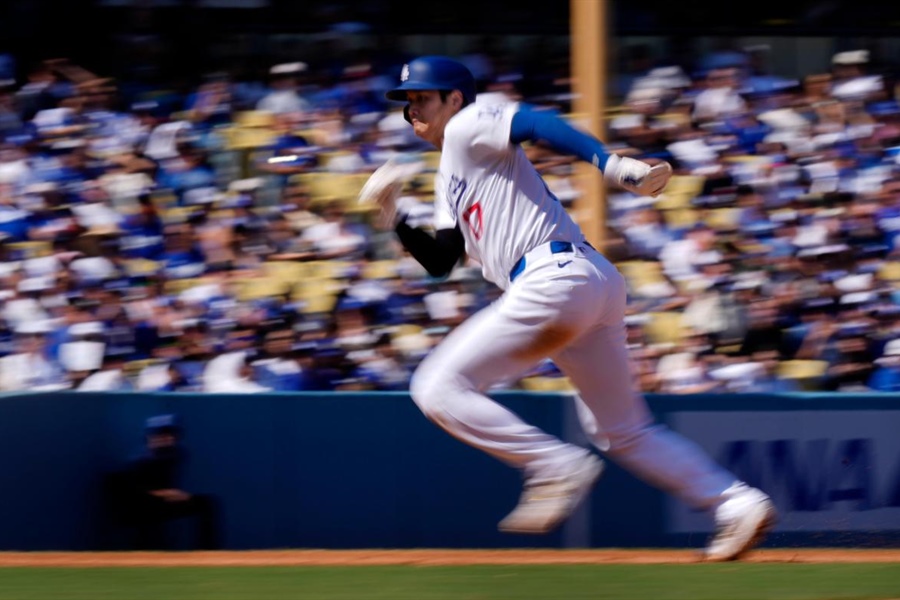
438,254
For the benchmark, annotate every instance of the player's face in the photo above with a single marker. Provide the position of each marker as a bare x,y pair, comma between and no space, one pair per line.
429,114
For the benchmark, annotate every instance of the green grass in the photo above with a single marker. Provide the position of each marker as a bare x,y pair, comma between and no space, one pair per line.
734,581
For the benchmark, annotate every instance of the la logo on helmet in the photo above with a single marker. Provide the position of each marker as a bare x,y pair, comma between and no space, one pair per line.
404,74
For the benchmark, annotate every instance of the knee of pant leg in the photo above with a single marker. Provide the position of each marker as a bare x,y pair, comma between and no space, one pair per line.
430,389
425,393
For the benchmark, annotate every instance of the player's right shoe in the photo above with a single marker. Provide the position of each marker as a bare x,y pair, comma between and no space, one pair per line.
742,521
546,503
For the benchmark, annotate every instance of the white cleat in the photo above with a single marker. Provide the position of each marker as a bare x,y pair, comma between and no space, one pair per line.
742,522
545,504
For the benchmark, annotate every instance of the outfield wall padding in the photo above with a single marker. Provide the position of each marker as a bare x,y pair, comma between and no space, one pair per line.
363,470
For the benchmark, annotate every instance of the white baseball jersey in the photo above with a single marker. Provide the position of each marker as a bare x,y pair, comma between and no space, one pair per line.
568,305
487,185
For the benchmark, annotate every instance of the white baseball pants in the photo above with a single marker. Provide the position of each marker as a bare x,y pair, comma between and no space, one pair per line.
570,307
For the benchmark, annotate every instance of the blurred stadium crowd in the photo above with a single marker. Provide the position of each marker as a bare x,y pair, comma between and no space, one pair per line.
208,239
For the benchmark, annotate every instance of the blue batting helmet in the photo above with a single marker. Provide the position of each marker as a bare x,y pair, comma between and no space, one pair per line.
434,73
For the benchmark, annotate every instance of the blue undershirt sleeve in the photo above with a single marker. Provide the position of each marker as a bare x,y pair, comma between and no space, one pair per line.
545,126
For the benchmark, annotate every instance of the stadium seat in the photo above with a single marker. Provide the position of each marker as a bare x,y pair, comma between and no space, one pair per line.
405,329
432,160
163,198
639,273
547,384
132,368
173,287
222,214
645,278
665,327
29,249
255,288
680,218
889,271
314,285
177,214
289,271
255,118
326,187
680,190
722,218
140,266
354,208
742,159
248,138
317,303
380,269
805,373
326,269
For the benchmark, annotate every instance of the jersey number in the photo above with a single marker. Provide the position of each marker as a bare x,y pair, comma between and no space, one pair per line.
472,217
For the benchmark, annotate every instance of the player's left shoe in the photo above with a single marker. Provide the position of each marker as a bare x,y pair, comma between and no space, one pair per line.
546,503
742,521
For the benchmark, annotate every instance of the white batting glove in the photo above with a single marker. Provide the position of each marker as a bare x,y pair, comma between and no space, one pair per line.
384,186
636,176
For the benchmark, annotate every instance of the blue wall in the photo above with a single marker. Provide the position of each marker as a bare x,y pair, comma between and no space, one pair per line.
335,471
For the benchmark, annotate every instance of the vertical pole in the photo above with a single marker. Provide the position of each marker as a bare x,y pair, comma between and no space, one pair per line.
587,28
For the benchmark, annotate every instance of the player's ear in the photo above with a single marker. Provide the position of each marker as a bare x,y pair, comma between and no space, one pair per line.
456,99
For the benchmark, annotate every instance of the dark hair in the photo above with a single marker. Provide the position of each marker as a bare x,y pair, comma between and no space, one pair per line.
445,93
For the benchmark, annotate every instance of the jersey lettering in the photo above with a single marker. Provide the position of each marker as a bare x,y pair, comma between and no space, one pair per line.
473,219
491,112
455,190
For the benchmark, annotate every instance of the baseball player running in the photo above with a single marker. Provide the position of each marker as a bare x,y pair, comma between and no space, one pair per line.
562,299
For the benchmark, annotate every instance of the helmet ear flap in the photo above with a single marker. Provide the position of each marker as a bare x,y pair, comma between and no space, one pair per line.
406,114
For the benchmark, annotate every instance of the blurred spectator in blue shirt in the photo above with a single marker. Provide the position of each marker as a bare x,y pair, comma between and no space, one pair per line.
383,367
211,104
850,360
275,366
886,375
182,257
44,90
190,171
284,90
289,153
647,233
142,232
10,120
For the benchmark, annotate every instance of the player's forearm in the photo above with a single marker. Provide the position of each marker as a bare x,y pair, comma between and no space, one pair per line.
438,254
633,175
544,126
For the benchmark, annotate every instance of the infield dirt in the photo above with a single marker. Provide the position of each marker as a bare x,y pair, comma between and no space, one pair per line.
424,557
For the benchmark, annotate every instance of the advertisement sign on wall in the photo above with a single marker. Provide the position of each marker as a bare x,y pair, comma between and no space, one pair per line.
830,470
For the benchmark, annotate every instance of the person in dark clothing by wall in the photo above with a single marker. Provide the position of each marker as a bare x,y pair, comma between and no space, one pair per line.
152,494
